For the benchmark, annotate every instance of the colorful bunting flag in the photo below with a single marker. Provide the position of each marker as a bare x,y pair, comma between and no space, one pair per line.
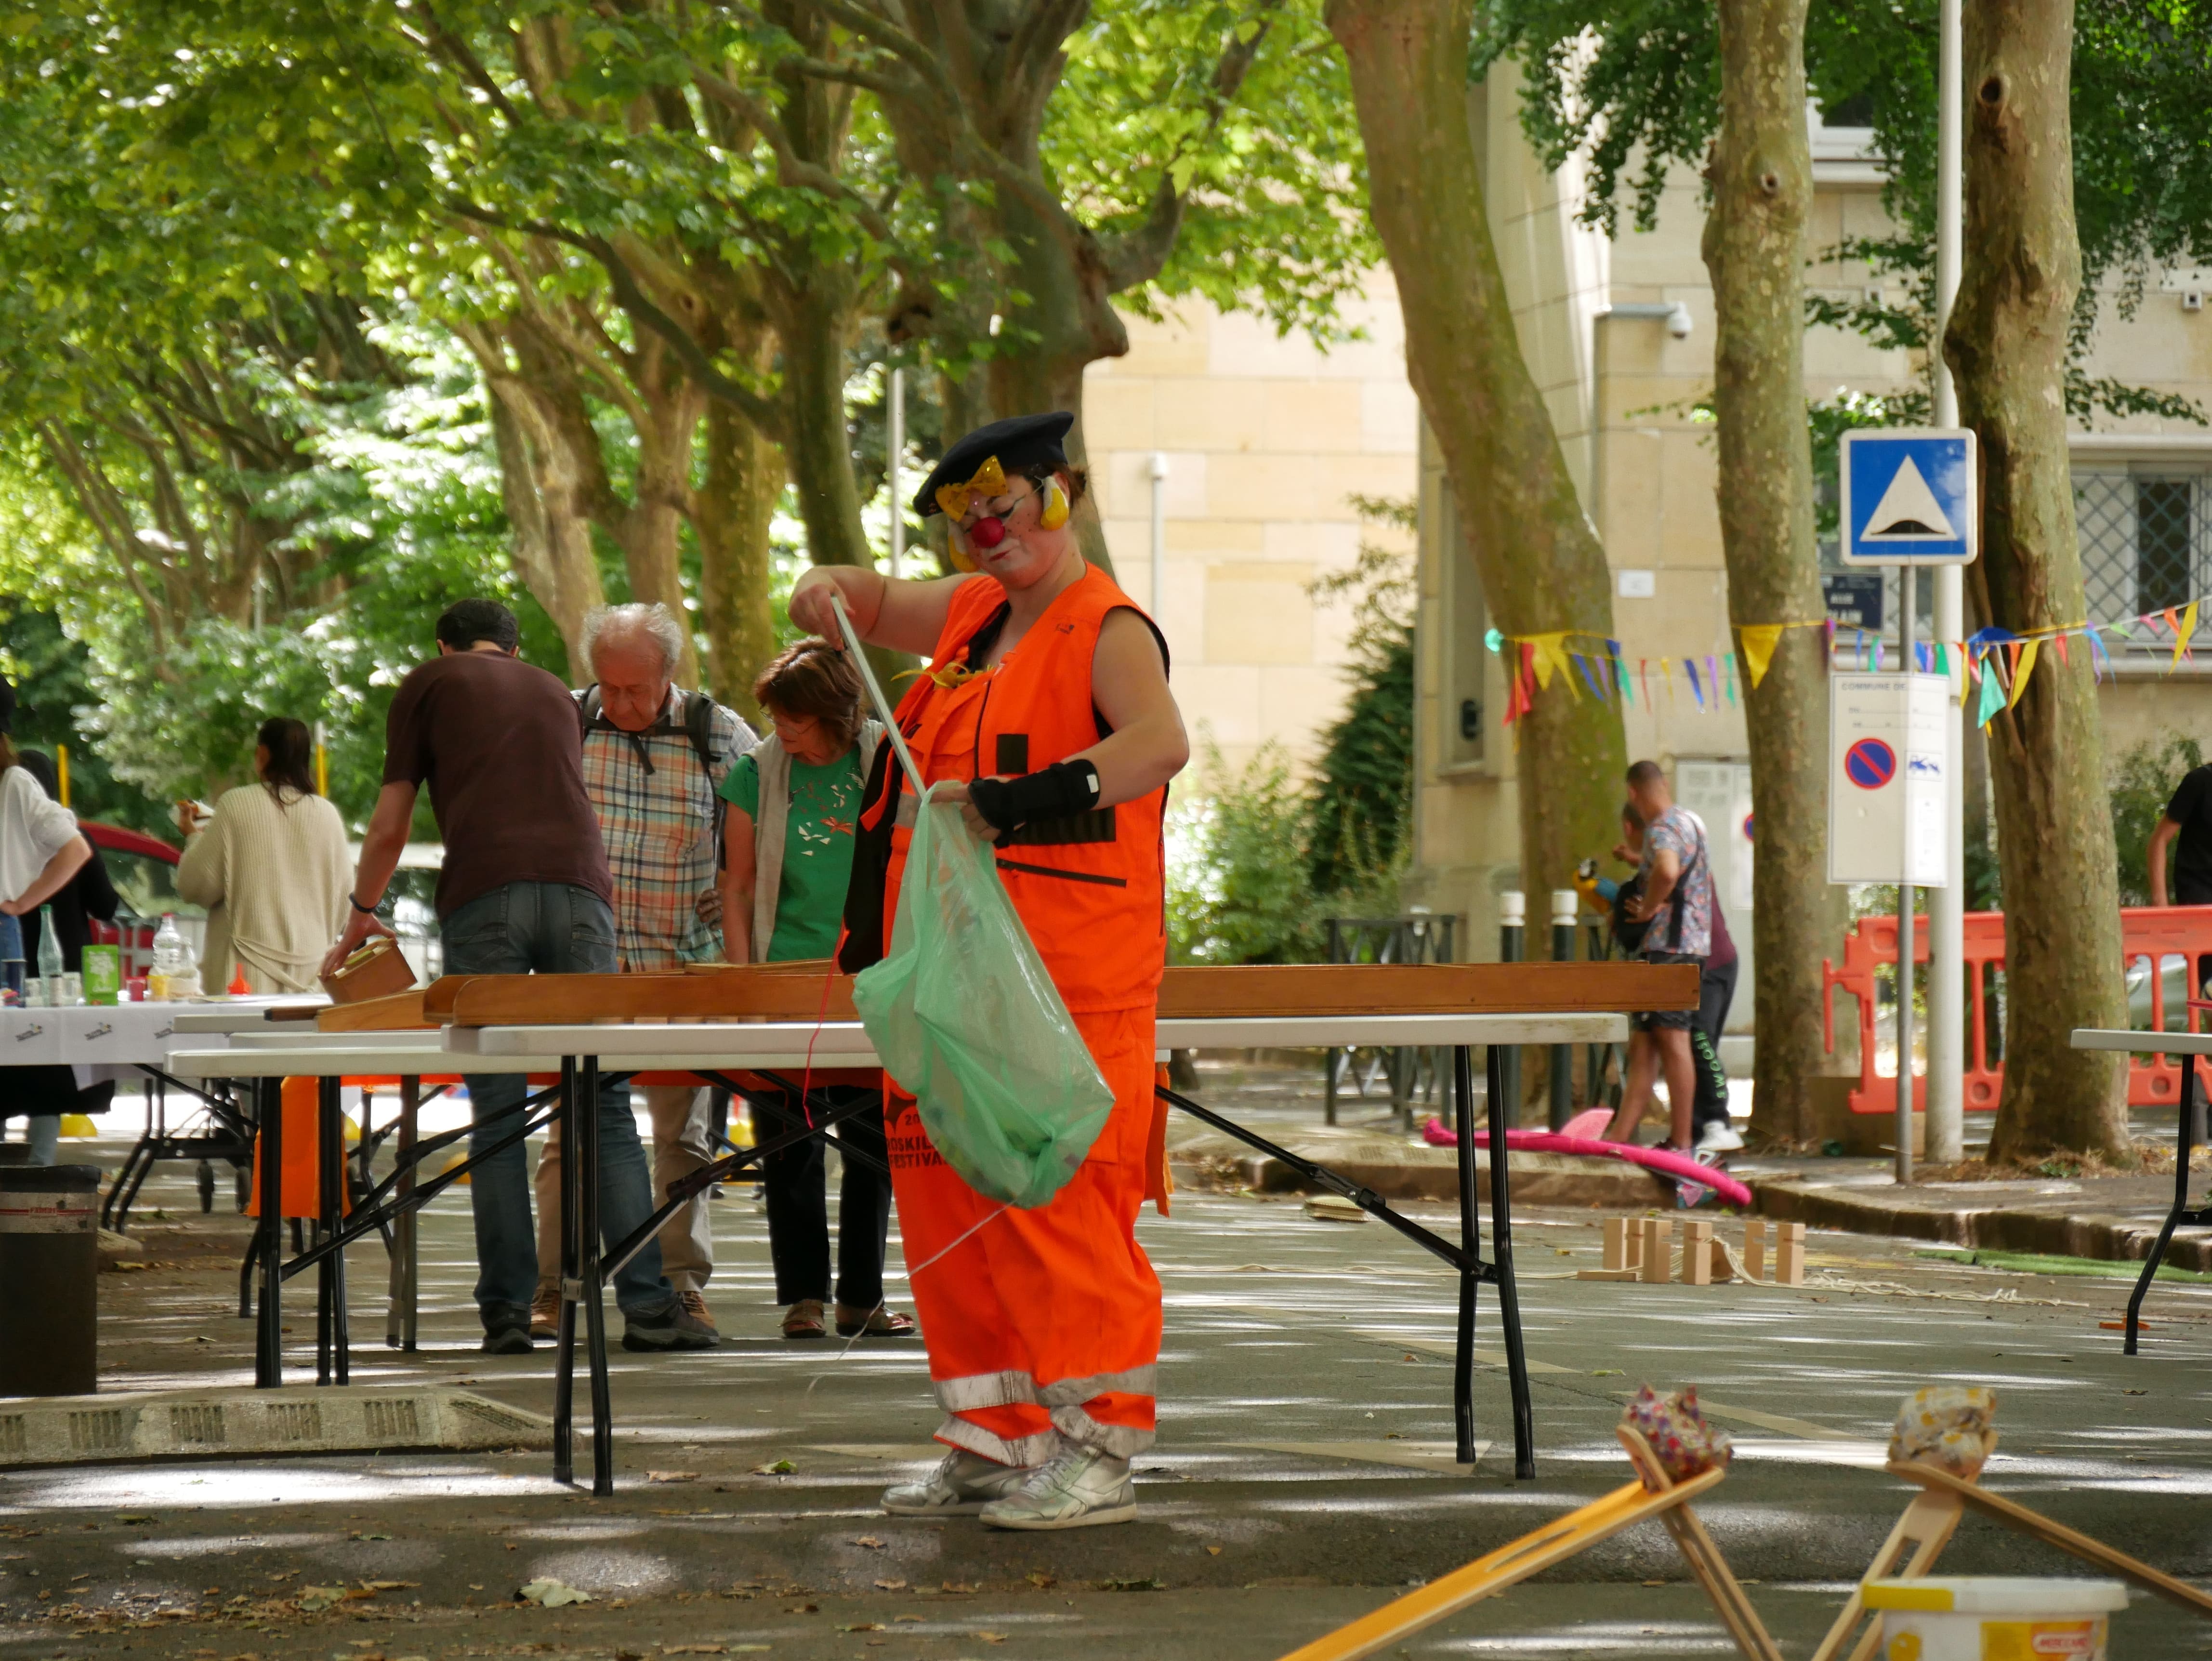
1993,698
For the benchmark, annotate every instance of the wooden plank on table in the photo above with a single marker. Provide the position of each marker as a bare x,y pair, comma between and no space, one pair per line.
571,1000
400,1012
1444,988
795,992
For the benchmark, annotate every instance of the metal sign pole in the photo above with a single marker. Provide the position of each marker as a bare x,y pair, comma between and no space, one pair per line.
1905,585
1947,906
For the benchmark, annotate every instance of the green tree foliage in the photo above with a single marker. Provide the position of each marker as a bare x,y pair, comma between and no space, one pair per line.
1634,85
2143,781
1238,860
1363,787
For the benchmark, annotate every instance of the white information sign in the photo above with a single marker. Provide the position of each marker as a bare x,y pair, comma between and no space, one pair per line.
1889,749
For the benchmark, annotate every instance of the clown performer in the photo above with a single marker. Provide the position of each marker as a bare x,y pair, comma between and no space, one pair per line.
1046,712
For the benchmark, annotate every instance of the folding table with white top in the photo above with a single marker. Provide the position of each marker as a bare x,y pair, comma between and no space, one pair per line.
2189,1046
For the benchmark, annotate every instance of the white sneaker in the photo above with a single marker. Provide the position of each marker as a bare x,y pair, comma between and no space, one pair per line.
1076,1488
963,1481
1719,1136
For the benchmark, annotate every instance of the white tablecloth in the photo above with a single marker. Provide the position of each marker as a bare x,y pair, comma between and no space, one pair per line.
103,1043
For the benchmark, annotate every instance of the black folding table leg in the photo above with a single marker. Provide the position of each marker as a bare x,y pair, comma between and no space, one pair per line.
564,1367
585,1152
1501,1264
268,1338
331,1341
2184,1139
400,1319
1469,1274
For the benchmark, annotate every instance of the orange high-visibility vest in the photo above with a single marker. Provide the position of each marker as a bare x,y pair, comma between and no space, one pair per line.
1090,887
302,1189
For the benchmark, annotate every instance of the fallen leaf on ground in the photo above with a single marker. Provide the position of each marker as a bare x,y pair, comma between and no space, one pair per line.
672,1476
691,1649
955,1586
890,1585
1133,1583
313,1598
991,1637
394,1585
863,1626
551,1593
780,1467
1213,1551
870,1542
1039,1579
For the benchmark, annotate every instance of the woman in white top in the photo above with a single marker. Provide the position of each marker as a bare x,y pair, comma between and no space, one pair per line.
272,868
39,848
39,852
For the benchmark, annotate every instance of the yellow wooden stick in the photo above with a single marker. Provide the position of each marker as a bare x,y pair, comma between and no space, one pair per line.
2013,1514
1926,1526
1655,1495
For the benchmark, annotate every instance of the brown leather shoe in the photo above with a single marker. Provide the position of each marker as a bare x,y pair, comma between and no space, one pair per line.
545,1313
694,1306
803,1320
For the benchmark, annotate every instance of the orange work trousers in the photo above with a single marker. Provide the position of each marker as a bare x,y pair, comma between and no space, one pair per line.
1042,1325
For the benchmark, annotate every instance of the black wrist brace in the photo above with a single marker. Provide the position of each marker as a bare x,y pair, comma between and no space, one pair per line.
1051,793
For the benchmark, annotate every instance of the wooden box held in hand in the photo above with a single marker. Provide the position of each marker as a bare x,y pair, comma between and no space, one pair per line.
377,970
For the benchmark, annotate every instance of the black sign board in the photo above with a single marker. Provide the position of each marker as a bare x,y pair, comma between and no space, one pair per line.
1853,599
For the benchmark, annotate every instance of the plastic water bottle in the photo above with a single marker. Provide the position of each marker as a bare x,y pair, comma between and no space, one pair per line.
49,946
176,970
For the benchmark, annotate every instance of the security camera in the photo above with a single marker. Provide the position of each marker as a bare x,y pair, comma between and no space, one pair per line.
1678,321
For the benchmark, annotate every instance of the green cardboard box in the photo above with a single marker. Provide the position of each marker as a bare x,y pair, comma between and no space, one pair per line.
103,973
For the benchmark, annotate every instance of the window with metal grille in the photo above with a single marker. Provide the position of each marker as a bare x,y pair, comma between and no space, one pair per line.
2146,540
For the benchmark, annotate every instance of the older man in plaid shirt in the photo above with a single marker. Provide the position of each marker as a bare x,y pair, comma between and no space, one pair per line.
653,757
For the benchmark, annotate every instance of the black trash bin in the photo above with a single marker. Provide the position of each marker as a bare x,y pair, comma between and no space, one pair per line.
49,1280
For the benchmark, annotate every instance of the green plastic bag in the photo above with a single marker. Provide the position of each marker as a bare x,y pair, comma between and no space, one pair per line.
965,1018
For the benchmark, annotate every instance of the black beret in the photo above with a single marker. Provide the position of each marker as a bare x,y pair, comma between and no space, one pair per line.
1020,442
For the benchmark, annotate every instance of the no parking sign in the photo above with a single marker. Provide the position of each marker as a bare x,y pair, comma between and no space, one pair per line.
1888,746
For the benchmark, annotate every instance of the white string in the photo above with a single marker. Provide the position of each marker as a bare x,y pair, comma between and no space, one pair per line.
883,712
910,1273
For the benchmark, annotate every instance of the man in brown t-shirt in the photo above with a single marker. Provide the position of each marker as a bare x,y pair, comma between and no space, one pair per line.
523,890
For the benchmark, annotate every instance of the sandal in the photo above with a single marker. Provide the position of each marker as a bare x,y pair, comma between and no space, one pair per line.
804,1320
878,1322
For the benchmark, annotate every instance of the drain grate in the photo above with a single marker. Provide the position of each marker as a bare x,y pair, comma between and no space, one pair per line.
182,1423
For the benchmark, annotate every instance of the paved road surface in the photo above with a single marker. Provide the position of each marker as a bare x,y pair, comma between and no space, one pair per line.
1303,1472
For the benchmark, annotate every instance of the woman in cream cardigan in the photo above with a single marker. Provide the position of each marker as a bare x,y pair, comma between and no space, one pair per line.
787,827
272,866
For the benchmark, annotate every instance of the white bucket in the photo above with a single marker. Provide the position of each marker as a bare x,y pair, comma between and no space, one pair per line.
1994,1618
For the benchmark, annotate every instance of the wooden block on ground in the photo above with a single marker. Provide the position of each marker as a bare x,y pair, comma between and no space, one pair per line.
1754,1248
1621,1240
1790,1255
1697,1252
1608,1273
1658,1252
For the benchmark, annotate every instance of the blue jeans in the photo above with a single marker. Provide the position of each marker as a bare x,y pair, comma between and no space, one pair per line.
546,928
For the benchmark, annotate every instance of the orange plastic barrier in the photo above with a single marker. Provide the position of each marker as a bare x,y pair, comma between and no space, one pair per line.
2149,936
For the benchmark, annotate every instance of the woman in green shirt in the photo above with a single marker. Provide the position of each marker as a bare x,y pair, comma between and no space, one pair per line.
787,822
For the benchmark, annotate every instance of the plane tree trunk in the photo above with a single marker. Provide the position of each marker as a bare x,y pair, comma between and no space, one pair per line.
2007,347
1541,563
1761,175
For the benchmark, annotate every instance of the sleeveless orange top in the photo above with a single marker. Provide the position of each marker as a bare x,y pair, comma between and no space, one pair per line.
1090,887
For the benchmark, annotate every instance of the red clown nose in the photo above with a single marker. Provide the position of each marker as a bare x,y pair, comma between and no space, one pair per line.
987,532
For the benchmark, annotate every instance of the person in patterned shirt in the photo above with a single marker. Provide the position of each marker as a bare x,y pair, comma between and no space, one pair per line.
654,756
